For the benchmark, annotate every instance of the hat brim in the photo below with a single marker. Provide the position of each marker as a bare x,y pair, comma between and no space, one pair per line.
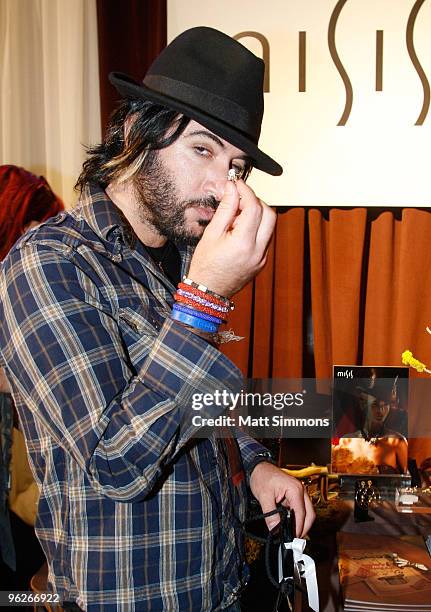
128,88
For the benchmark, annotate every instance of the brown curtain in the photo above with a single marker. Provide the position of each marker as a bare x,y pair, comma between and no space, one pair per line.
370,292
131,33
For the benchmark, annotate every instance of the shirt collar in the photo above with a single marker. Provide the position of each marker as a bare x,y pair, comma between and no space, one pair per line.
102,215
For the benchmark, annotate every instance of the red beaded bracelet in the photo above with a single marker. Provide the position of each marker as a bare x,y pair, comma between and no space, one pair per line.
185,300
207,291
203,294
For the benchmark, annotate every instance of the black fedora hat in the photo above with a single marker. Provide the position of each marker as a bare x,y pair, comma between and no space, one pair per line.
213,79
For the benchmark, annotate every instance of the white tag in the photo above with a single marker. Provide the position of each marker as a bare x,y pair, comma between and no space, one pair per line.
305,568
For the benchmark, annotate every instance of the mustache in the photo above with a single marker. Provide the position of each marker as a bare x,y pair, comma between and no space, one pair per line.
208,202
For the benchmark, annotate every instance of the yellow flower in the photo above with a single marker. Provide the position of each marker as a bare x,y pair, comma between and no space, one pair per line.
406,356
408,359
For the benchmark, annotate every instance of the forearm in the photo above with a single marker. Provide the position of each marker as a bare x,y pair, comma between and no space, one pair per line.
158,409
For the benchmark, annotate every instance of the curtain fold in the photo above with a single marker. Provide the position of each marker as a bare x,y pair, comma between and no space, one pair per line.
263,319
49,98
288,287
336,249
382,289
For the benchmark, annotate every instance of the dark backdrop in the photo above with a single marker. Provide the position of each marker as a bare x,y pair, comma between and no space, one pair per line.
131,34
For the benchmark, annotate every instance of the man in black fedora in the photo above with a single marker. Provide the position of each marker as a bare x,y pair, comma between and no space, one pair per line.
375,447
111,331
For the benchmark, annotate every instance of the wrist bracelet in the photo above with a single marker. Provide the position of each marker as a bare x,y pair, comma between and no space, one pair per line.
204,289
196,322
185,301
193,294
197,313
198,294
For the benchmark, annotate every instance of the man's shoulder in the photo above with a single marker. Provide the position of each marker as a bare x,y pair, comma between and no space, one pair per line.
54,224
55,241
62,232
54,255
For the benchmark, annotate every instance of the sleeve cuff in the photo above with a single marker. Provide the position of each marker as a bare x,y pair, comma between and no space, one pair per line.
181,364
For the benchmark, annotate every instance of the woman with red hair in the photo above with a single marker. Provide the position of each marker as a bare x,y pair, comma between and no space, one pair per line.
25,200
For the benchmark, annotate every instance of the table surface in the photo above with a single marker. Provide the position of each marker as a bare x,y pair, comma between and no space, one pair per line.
338,516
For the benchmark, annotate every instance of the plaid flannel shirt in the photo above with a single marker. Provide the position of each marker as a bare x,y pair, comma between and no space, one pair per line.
135,513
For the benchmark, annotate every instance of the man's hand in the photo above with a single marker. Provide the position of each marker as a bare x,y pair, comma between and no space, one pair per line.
233,247
272,486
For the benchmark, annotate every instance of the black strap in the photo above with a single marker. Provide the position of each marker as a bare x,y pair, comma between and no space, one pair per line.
286,588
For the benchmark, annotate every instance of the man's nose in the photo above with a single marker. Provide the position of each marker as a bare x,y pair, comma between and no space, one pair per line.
215,184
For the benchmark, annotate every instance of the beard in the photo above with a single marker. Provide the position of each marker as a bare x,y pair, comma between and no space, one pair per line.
159,206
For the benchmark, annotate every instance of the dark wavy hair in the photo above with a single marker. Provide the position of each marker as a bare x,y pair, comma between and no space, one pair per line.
24,197
120,156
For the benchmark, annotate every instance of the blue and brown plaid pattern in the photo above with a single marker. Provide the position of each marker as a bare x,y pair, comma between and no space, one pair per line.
135,513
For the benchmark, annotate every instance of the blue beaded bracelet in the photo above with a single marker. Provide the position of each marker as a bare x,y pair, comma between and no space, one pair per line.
195,322
197,313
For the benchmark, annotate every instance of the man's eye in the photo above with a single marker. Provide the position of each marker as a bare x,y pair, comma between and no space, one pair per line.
239,171
202,151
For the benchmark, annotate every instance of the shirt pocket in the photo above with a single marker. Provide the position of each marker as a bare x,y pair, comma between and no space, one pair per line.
139,322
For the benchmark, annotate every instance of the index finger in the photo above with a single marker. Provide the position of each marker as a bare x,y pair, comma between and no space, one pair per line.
249,218
266,227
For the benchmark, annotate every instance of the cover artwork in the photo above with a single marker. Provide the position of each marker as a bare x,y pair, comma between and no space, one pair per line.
370,420
384,572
